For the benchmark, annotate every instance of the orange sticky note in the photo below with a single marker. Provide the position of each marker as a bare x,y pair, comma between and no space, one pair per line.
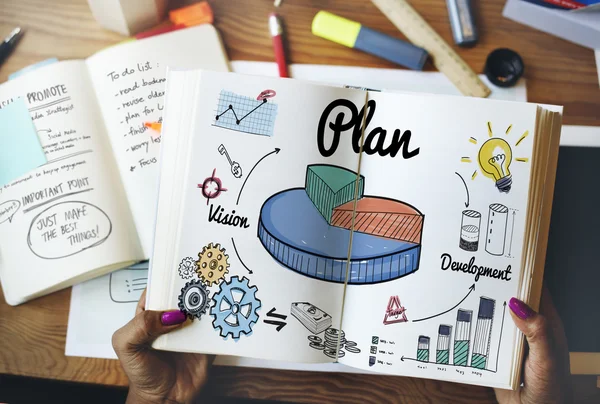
196,14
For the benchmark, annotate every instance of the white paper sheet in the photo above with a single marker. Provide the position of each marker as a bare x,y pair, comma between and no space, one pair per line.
101,306
94,297
378,79
129,83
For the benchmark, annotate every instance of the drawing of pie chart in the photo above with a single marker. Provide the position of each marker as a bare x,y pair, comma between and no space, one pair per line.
308,230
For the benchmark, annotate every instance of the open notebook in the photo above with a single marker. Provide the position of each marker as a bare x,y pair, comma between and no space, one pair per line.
292,225
90,208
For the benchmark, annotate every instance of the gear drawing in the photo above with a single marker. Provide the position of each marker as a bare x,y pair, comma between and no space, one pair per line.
193,299
212,264
235,308
187,268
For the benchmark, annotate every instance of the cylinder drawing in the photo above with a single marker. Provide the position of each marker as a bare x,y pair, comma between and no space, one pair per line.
423,349
442,354
469,230
496,229
483,333
461,337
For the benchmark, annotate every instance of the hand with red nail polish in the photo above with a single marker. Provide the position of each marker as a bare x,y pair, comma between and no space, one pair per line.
158,376
546,373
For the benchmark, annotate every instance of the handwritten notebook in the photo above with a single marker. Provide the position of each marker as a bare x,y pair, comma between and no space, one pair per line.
383,231
90,208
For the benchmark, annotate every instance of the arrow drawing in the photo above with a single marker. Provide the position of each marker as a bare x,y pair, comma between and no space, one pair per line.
279,324
240,258
466,188
276,151
471,289
272,313
500,338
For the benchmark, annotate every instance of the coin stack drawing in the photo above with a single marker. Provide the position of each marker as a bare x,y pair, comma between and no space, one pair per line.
330,344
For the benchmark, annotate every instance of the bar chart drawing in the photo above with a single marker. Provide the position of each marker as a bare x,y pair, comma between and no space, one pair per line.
423,349
462,337
483,333
467,350
442,353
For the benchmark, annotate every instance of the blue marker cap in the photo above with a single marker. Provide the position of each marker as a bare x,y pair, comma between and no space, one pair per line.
390,48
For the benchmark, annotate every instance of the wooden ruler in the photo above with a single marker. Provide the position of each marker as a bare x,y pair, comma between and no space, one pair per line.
419,32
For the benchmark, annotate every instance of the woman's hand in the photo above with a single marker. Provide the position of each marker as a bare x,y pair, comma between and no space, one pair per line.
546,373
158,376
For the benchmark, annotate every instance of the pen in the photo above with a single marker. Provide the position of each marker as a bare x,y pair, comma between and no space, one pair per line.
462,22
277,35
9,43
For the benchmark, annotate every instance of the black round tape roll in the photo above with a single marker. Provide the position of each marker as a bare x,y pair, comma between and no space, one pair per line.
504,67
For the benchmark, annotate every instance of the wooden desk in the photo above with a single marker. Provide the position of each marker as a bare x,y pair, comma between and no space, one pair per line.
33,335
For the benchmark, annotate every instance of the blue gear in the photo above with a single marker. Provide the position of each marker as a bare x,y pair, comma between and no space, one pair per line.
235,307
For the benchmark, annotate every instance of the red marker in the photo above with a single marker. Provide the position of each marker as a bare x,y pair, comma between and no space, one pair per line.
277,35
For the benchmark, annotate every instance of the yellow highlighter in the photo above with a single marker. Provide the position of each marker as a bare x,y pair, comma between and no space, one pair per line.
353,35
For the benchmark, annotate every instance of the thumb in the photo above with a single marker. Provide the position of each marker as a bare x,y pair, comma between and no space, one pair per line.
144,328
536,329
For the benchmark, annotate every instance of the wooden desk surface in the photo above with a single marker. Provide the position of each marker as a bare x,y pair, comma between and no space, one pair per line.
33,335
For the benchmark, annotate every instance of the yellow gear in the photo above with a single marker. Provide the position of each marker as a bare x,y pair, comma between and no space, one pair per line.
212,264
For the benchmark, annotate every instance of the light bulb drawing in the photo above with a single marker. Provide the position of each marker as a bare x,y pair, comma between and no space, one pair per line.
495,157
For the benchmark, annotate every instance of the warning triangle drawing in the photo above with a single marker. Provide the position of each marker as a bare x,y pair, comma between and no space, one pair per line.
395,313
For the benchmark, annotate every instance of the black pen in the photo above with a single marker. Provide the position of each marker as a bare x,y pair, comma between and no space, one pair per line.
9,43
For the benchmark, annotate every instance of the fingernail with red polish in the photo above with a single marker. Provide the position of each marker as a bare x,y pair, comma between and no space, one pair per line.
522,310
172,317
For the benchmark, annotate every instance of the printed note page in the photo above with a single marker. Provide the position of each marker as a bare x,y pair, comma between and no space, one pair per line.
130,83
446,189
256,261
69,216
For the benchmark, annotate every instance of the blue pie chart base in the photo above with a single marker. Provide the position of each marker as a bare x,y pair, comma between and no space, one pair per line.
298,237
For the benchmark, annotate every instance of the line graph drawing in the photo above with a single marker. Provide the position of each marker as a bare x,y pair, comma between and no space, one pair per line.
245,114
